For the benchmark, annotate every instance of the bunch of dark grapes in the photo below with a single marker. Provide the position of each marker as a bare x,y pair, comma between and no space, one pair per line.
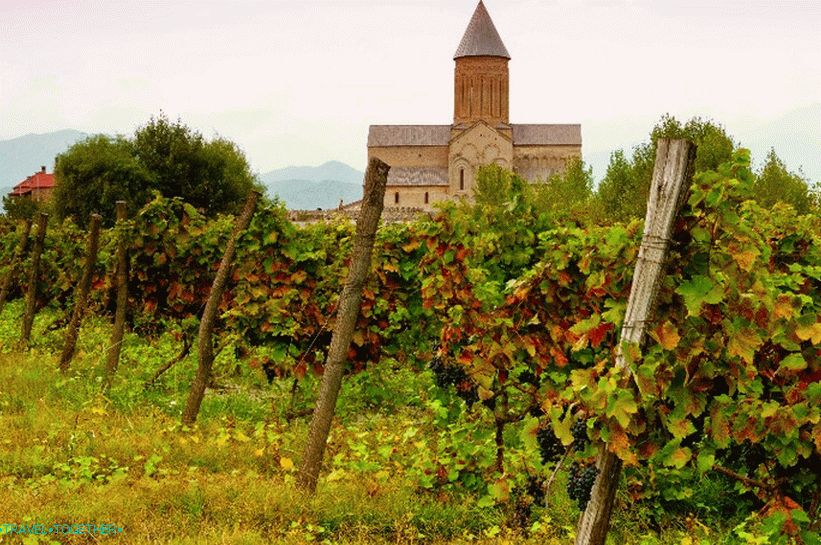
549,445
579,431
535,489
468,393
529,377
580,482
453,375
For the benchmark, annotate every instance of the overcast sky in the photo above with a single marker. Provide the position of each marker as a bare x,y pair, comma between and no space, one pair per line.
298,82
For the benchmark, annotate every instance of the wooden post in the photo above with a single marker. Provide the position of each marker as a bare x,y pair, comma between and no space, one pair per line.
31,294
350,299
81,292
205,343
116,341
671,175
15,262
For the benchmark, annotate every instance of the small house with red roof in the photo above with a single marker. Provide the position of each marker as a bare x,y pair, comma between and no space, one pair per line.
38,187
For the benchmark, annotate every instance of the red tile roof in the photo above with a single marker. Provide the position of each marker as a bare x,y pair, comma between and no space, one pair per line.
39,180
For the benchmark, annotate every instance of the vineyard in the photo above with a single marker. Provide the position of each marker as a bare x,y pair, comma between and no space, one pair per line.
481,384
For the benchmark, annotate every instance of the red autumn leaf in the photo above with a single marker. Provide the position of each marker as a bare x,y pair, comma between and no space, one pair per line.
597,334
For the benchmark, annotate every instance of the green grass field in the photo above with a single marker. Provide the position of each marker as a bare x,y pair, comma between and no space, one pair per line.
69,455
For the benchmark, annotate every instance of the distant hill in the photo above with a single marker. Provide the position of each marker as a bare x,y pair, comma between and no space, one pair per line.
23,156
796,137
20,157
308,188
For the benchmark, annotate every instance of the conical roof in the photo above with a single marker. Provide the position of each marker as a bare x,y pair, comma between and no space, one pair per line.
481,38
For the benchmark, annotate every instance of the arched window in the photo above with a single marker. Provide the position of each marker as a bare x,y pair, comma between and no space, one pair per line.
426,197
396,198
461,179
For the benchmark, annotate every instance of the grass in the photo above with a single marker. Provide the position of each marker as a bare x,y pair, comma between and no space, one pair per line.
70,455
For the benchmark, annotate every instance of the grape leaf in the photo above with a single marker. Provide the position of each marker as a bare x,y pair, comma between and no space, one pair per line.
700,289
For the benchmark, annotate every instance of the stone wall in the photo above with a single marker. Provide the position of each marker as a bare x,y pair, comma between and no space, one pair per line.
413,196
538,163
411,156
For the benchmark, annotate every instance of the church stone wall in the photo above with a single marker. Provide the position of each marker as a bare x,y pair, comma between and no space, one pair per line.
540,162
479,145
481,90
414,196
411,156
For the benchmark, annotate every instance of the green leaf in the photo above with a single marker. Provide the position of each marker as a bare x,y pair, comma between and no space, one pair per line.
621,406
705,461
528,433
794,362
743,343
674,455
700,289
582,327
486,501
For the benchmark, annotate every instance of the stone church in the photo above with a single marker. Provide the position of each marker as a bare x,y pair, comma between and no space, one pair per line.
431,163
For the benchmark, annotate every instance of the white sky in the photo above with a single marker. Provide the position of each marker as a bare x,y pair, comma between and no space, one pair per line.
299,82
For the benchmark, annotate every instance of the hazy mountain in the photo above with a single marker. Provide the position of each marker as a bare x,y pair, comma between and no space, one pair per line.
796,137
309,188
21,157
332,170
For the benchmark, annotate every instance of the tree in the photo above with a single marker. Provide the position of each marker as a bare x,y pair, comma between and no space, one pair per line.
624,190
21,208
93,174
162,156
775,183
213,176
497,186
567,192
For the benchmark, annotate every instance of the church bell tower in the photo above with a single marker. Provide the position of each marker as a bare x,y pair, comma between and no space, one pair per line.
481,75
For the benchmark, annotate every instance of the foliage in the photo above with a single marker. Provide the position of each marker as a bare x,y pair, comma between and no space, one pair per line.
19,208
213,176
171,158
95,173
526,307
774,183
567,193
623,192
734,357
127,460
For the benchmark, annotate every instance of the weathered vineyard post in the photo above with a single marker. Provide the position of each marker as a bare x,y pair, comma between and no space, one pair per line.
15,262
116,341
31,293
350,299
205,343
81,292
672,172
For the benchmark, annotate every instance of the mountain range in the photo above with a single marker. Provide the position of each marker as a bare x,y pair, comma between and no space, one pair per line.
308,188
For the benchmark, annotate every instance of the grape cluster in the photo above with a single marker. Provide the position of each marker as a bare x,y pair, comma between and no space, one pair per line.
529,377
579,431
535,489
549,445
453,375
580,482
468,393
